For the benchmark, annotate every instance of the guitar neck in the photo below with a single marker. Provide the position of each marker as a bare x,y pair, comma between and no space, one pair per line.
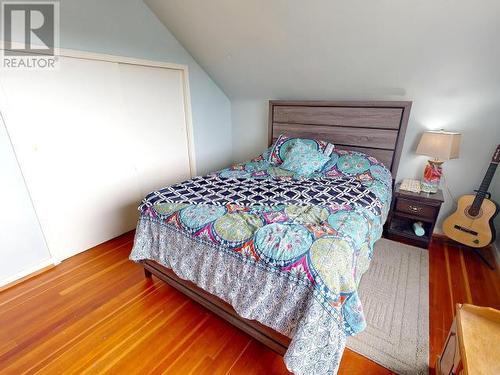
483,189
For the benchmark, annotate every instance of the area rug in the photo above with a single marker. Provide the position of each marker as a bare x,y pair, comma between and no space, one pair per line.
395,297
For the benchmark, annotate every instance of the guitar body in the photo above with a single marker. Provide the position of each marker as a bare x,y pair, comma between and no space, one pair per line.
474,231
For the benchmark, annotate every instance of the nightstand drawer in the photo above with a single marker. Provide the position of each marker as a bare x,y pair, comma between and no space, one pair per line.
415,208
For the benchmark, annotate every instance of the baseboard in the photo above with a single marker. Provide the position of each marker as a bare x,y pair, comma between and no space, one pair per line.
438,231
25,274
438,235
441,237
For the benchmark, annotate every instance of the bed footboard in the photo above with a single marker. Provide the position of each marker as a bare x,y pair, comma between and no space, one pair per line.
269,337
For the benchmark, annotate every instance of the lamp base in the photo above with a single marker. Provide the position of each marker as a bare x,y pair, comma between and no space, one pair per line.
432,176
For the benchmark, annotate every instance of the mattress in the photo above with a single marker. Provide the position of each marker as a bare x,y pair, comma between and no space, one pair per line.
286,251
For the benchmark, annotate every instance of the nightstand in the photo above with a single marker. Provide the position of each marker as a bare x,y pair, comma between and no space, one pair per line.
408,208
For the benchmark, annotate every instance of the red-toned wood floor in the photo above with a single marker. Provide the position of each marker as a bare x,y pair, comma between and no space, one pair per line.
97,313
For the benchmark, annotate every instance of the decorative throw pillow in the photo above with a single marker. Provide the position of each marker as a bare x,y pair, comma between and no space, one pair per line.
280,148
303,159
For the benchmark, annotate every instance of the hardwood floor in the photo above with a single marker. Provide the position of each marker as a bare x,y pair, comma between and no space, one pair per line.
96,313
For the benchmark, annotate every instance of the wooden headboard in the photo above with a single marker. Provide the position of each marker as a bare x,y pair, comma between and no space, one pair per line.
376,128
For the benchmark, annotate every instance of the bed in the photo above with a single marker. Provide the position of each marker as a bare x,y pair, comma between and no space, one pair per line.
278,254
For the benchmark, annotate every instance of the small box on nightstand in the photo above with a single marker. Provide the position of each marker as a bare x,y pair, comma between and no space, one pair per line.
408,208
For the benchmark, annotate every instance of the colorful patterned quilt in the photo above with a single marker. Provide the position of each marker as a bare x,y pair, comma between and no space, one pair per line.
285,251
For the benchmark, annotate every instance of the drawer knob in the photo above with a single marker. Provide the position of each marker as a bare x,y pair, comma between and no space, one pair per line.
414,208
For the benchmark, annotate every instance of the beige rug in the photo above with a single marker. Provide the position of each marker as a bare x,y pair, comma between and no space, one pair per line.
395,296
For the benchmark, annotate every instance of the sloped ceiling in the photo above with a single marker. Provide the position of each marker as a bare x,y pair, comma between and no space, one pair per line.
332,48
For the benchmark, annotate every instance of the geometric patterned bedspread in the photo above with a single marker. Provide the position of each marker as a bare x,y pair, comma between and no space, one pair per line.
218,191
310,246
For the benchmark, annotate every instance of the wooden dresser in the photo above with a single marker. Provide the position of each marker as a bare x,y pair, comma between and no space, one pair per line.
473,343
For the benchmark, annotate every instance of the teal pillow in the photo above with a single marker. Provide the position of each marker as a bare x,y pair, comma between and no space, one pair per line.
304,159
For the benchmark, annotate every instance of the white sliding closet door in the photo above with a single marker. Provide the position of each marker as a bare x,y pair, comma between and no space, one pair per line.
92,138
155,118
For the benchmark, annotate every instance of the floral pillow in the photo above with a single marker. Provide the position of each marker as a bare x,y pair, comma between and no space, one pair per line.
303,159
283,144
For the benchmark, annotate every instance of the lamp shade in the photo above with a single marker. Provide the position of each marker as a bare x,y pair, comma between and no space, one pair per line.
440,144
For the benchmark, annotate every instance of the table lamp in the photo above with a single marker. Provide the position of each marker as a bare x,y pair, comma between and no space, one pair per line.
441,145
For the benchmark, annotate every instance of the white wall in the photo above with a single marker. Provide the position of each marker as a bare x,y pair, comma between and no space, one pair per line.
443,55
250,134
22,246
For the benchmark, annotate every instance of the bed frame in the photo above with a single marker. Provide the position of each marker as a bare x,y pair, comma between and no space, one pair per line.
373,127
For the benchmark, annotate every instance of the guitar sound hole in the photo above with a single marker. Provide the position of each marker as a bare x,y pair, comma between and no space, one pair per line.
473,214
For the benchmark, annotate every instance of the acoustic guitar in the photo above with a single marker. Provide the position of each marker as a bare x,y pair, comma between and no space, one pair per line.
472,222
